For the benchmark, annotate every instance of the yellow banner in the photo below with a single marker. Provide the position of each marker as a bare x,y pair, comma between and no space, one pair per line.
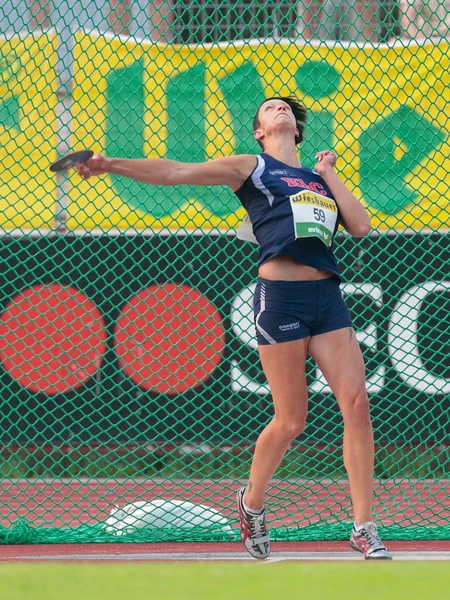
384,110
27,131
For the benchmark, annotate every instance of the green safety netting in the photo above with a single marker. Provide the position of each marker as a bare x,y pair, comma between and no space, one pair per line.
128,362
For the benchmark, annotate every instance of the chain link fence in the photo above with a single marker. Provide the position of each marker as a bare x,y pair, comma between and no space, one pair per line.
128,358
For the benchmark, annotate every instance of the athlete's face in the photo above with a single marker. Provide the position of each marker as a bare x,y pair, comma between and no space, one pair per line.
275,116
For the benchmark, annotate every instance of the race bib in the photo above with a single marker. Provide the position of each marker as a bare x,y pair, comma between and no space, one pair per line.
314,216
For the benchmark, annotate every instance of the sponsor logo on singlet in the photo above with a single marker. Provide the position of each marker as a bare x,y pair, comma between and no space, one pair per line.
314,186
280,172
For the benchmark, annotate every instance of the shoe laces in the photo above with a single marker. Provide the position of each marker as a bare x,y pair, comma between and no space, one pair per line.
373,538
257,525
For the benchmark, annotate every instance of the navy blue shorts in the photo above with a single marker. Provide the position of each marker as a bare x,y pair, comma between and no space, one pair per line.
291,310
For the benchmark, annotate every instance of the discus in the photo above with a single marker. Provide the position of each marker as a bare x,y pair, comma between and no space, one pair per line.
71,160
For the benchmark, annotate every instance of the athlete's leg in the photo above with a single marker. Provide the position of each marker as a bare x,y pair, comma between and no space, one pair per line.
284,368
339,357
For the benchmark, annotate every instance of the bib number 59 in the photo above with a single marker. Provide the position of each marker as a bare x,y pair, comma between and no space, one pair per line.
319,215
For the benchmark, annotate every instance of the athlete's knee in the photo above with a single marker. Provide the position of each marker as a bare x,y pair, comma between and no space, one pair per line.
290,428
356,408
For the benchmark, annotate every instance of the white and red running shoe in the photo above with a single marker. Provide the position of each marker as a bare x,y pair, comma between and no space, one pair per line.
367,541
253,529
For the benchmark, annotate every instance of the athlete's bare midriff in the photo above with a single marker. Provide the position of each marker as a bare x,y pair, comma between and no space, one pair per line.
285,268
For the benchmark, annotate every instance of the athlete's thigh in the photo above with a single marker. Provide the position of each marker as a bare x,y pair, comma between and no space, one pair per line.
284,368
338,355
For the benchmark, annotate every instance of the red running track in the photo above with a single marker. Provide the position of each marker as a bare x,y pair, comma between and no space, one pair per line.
71,503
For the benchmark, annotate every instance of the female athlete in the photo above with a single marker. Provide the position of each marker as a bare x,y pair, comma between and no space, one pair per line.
298,307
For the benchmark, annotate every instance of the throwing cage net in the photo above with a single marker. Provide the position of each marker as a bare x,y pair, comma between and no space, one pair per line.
128,361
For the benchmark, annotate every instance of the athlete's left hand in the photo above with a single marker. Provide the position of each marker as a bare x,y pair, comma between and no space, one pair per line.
326,160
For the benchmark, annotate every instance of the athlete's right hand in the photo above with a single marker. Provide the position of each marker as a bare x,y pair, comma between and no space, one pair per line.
97,165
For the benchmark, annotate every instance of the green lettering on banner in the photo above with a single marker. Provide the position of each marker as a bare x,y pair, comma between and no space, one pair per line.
382,176
319,80
318,136
243,93
9,113
11,72
125,131
185,96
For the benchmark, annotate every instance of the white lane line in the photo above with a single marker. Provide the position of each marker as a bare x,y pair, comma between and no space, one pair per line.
267,561
230,556
397,556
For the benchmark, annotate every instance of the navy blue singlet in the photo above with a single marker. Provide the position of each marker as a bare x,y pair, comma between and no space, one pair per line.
266,197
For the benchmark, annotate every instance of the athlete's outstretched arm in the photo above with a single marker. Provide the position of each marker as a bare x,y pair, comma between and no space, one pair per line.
354,217
229,170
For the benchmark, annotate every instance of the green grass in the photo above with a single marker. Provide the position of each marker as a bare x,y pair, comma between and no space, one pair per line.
226,581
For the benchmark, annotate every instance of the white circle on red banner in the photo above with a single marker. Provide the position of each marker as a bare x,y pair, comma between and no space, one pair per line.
169,338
